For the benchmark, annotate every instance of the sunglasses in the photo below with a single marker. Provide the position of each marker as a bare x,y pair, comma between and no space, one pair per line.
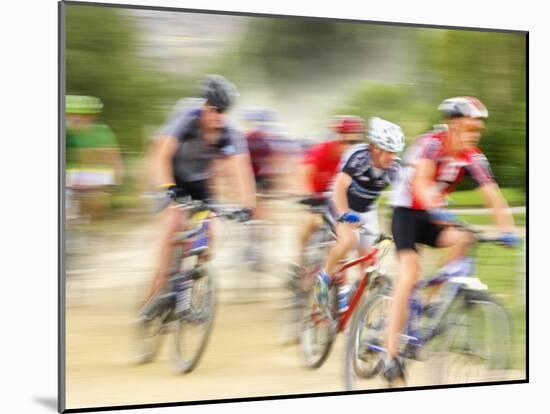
217,109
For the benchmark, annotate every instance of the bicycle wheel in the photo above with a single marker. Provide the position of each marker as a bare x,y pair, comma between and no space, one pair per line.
318,330
315,255
149,337
193,330
293,309
474,344
366,332
300,284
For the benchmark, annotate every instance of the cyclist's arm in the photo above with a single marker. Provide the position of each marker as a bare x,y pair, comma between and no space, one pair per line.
423,185
167,146
501,211
480,171
341,185
241,170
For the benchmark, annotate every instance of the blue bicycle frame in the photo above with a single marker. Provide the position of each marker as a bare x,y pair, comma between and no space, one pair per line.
416,337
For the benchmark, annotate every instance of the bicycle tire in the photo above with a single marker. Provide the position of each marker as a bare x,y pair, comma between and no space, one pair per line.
315,254
149,333
472,349
201,314
358,361
293,309
315,354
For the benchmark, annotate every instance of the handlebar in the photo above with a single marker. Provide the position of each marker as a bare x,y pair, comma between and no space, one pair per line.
196,206
479,234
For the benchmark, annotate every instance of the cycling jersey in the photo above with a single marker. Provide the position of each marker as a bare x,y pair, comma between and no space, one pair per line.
325,157
367,181
194,155
260,152
449,170
85,165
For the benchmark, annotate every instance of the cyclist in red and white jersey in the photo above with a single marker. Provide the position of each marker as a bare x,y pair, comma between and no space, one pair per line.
431,168
449,170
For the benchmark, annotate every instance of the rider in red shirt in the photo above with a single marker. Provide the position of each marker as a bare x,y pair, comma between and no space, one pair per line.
321,165
432,167
322,162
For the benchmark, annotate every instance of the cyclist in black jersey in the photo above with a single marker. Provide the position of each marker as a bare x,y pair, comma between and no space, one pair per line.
364,172
186,146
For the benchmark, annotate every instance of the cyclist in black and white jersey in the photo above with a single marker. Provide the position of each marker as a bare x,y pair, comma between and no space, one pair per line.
186,147
364,172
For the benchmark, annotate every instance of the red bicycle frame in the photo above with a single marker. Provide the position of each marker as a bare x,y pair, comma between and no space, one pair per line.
370,257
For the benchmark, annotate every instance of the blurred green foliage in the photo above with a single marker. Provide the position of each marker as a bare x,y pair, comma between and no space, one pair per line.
102,60
490,66
473,198
294,51
282,55
503,270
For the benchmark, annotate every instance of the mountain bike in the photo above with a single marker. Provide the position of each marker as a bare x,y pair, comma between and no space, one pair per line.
187,305
463,336
301,279
320,326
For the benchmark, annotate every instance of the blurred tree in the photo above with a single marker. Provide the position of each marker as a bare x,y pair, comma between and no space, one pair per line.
490,66
394,102
290,50
102,60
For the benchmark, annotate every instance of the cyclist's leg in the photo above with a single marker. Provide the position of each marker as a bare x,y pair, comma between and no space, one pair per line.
171,221
366,241
410,227
346,240
405,229
457,241
409,273
309,225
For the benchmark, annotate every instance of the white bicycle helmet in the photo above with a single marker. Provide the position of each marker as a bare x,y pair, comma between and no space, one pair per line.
385,135
463,106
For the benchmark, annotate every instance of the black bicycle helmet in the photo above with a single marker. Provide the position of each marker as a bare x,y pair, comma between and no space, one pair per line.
218,92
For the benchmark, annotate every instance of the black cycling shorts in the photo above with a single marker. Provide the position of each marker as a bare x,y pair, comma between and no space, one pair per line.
197,190
411,226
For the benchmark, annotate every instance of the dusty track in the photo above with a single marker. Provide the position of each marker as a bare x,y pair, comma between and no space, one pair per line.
245,357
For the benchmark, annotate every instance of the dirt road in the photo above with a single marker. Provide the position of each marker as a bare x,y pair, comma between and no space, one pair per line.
245,357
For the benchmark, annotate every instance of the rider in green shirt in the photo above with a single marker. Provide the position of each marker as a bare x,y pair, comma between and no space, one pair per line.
93,159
